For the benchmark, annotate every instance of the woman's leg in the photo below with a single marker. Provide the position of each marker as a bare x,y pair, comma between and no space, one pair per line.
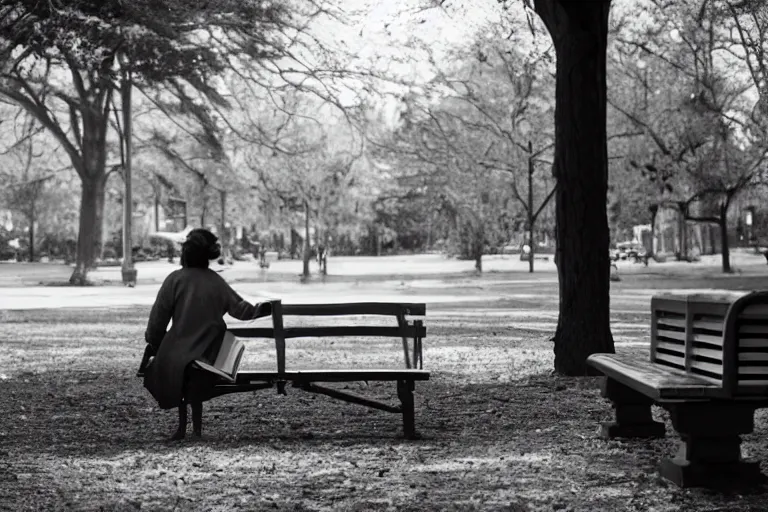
197,387
197,418
182,430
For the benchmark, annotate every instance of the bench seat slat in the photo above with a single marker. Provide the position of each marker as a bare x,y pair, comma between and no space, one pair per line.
332,375
655,381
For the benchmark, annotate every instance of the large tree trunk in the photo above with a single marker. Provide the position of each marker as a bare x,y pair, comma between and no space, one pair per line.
682,233
30,212
90,229
478,244
93,182
580,34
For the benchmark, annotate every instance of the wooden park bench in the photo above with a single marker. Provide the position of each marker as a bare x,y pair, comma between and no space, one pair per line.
709,368
410,331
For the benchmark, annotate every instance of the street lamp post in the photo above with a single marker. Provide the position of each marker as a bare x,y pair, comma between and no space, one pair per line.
307,249
525,129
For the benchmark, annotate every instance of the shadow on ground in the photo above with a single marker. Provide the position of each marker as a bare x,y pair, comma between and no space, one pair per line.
499,431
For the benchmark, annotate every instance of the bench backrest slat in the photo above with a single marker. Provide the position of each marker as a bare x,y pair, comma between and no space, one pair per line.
752,352
409,331
668,331
403,329
755,311
705,338
355,308
707,368
670,360
687,333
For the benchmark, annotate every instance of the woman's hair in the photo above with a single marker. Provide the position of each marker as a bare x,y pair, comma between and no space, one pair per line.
200,247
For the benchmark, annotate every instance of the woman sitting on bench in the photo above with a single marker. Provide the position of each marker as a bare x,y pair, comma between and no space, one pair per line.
196,299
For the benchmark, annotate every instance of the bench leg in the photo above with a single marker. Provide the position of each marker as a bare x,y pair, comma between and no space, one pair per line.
405,394
710,448
633,413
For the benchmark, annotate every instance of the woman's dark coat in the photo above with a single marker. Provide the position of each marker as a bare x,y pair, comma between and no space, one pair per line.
196,299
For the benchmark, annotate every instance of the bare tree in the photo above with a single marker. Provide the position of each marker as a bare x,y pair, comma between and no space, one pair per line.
63,63
705,146
24,178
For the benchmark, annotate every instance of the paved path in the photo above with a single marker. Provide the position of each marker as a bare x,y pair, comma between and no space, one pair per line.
386,278
423,265
40,297
422,278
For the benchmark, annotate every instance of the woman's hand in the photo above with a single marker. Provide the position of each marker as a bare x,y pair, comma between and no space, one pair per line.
263,309
149,353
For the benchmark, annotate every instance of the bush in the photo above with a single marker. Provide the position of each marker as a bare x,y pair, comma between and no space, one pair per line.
58,246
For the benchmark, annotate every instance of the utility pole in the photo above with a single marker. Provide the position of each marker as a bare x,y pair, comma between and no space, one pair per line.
223,225
530,206
128,270
157,203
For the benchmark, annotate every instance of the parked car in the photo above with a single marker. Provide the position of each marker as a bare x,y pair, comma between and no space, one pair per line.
629,251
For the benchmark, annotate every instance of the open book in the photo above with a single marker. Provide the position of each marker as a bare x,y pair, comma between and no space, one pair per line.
228,359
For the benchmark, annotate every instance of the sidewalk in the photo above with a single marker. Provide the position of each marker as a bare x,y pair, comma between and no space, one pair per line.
44,297
370,267
345,267
387,278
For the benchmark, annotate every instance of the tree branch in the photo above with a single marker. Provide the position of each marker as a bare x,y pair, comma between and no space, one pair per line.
658,140
39,111
544,204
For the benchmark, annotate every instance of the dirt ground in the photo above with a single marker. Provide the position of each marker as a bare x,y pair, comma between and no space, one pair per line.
499,430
